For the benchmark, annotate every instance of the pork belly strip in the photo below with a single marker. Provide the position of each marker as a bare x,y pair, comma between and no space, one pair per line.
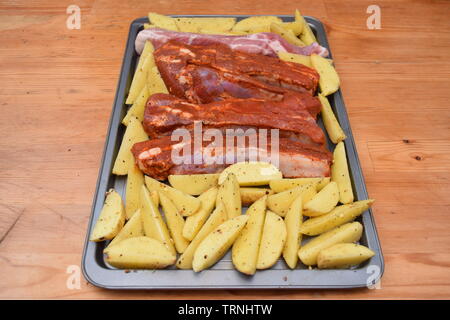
286,115
296,160
266,43
176,61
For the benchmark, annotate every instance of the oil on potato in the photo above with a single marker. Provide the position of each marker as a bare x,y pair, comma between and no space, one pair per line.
111,219
252,173
229,193
340,174
280,185
162,21
330,122
347,233
194,184
217,243
138,107
307,35
280,202
273,240
135,181
133,228
196,25
329,80
256,24
293,222
296,58
286,34
324,201
250,195
343,255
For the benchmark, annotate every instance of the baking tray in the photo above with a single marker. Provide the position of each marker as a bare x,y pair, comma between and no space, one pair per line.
222,275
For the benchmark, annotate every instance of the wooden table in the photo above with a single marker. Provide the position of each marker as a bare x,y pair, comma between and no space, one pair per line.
56,91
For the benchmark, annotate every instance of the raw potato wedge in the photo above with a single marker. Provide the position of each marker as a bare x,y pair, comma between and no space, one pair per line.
347,233
138,107
323,202
246,247
286,34
111,219
195,222
209,24
194,184
252,173
280,185
125,159
186,204
307,35
133,228
341,175
155,83
296,58
135,181
155,197
216,218
149,25
162,21
272,241
217,243
140,253
140,76
250,195
293,222
280,202
329,80
256,24
229,193
343,255
175,222
296,26
152,222
338,216
334,130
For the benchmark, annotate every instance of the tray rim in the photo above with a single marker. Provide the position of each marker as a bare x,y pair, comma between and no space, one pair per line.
105,172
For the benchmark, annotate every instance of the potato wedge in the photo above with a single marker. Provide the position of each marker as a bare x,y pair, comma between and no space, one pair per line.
217,243
293,222
273,240
343,255
162,21
111,219
140,253
194,184
341,175
149,25
307,35
152,222
252,173
141,74
246,247
155,197
286,34
280,202
323,202
155,83
186,204
125,159
138,107
250,195
229,193
175,222
209,24
195,222
334,130
296,26
133,228
135,181
338,216
347,233
217,217
280,185
329,80
256,24
296,58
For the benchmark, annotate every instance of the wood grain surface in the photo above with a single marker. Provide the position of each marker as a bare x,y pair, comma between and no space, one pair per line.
56,91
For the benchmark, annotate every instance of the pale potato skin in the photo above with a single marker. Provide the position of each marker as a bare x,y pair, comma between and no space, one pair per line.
152,221
280,202
250,174
245,248
175,222
133,228
135,181
205,24
272,241
332,125
138,107
256,24
293,222
338,216
125,159
217,243
307,35
155,82
347,233
217,217
111,219
229,193
323,202
186,204
296,58
286,34
195,222
140,77
250,195
140,253
194,184
341,175
329,80
343,255
162,21
280,185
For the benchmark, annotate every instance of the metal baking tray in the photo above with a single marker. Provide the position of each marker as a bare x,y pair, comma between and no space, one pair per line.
222,275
